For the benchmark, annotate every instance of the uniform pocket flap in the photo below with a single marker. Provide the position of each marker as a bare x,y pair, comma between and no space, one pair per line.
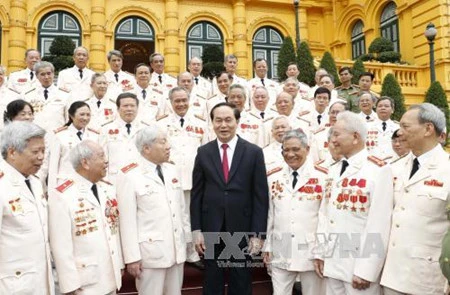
151,237
429,254
17,269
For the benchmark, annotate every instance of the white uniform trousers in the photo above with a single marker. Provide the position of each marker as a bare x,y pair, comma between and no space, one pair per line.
191,254
338,287
283,282
161,281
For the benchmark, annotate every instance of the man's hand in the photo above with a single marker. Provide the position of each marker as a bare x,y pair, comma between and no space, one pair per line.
318,267
359,283
267,258
135,269
199,242
255,246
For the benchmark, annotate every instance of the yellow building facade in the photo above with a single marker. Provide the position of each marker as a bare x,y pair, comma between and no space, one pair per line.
248,28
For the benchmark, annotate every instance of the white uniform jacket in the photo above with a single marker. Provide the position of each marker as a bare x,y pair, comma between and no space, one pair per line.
152,106
184,143
293,216
379,142
358,217
119,145
24,249
126,83
50,113
101,115
419,223
79,88
84,236
64,139
154,225
20,81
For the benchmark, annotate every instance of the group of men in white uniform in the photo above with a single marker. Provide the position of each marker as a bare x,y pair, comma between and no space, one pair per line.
343,205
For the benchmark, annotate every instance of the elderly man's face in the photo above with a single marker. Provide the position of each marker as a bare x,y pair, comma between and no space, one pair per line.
415,134
32,58
185,81
81,57
45,76
159,151
30,160
279,128
343,140
97,164
294,153
180,102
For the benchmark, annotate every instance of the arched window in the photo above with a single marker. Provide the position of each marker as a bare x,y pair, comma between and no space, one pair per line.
266,44
389,25
135,38
59,23
199,36
358,40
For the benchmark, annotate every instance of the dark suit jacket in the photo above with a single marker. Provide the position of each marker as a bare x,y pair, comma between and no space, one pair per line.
242,203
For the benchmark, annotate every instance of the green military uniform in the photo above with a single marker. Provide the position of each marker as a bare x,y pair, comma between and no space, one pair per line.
444,260
350,94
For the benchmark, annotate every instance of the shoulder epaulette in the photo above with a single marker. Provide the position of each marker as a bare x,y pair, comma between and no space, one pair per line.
34,175
106,123
303,113
300,118
145,123
93,130
162,117
171,162
157,90
198,95
199,117
338,88
64,89
254,115
112,100
396,122
356,86
268,119
68,183
31,90
86,99
212,96
319,130
60,129
401,158
328,125
334,163
13,90
106,181
274,170
354,92
274,109
387,158
321,169
376,161
129,167
319,162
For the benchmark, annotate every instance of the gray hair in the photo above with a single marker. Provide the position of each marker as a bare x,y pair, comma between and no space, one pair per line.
177,89
185,73
298,134
83,150
41,65
239,86
374,99
17,134
263,88
278,118
230,56
95,76
196,57
353,123
429,113
147,136
114,53
293,79
285,92
80,47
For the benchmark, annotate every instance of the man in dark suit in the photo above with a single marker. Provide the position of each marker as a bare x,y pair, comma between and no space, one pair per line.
229,198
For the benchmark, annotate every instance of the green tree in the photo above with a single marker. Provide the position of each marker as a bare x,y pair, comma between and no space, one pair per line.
357,69
327,62
212,61
391,88
382,50
436,95
61,52
305,63
285,56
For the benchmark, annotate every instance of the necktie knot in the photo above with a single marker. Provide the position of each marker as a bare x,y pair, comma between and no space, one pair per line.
319,119
262,82
367,117
79,134
181,122
384,126
160,79
81,73
224,146
144,93
344,167
262,114
160,174
128,125
294,181
196,80
45,93
95,192
27,182
98,103
31,75
117,77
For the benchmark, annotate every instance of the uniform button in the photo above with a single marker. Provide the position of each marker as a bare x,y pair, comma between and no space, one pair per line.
403,208
173,215
175,230
393,244
83,265
170,202
18,273
292,236
331,221
429,258
150,240
112,252
397,225
407,190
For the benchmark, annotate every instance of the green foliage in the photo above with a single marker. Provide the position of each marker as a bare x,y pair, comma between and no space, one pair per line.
212,57
305,63
327,62
389,56
285,56
391,88
381,44
436,95
366,57
357,69
61,52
